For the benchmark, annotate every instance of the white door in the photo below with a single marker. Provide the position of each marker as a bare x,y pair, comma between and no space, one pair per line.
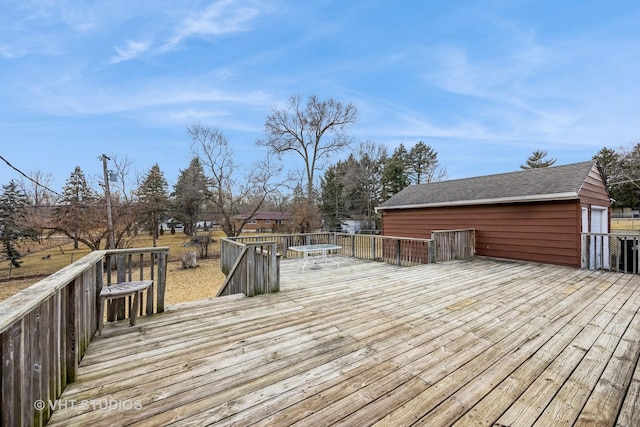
599,247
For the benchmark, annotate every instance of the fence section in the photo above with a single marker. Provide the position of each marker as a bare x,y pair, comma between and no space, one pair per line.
454,244
393,250
611,251
45,329
252,268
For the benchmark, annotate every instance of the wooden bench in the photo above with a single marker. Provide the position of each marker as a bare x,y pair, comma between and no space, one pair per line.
122,290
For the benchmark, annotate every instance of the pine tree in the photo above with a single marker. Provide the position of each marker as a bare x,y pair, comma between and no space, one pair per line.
423,166
189,193
395,176
153,200
538,160
13,216
331,196
76,214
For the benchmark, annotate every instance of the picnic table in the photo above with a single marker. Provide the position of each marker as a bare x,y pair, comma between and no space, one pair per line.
316,252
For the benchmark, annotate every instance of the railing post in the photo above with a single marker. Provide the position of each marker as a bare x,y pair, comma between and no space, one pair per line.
584,252
161,280
285,246
373,246
431,247
398,256
274,270
353,245
71,340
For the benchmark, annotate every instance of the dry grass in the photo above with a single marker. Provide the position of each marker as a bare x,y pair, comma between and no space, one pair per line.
622,224
182,285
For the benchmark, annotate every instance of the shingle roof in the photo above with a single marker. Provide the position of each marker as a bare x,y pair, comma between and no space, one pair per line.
552,183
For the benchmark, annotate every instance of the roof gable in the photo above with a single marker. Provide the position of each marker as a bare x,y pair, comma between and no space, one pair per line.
552,183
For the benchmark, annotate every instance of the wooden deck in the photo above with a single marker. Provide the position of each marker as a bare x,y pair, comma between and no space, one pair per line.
481,342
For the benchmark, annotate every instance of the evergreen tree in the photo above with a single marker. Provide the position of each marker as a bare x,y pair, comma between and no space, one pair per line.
331,197
350,189
423,166
13,217
538,160
395,176
626,184
189,195
372,158
621,170
77,215
153,200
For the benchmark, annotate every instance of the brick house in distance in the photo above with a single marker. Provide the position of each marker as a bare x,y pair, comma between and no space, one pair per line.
264,221
532,215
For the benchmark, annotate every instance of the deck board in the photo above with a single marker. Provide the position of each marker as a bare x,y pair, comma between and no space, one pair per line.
467,343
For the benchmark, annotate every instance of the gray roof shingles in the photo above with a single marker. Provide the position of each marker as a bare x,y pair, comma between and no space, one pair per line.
524,184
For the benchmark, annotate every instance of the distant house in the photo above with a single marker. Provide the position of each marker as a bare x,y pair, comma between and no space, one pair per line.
533,215
264,221
353,226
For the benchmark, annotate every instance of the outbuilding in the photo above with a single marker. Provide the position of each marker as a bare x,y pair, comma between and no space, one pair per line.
533,215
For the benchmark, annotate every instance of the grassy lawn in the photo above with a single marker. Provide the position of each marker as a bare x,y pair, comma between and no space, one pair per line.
622,224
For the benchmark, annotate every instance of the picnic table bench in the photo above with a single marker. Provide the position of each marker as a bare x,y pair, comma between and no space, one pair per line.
122,290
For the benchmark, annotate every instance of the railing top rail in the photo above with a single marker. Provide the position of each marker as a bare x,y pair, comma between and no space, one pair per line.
614,234
241,238
260,243
232,240
384,237
25,301
454,230
136,250
277,234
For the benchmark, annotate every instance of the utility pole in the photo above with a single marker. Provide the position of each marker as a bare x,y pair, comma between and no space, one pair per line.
107,194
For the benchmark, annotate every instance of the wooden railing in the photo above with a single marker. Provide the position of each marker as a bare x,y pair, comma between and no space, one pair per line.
252,268
454,244
45,329
611,251
394,250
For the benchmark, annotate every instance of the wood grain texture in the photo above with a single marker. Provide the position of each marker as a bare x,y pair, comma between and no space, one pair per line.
467,343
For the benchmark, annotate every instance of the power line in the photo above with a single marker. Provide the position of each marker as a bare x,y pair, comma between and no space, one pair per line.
28,177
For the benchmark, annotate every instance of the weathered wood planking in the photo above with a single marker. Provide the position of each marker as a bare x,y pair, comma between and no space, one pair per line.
252,268
454,244
45,331
463,342
252,274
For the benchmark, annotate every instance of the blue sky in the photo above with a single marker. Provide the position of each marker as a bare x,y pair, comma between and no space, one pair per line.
485,83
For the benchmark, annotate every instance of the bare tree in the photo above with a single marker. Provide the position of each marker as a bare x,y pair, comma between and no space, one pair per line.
231,192
41,201
315,131
121,171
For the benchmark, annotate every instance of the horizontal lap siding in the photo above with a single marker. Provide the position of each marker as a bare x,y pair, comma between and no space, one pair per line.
540,232
593,191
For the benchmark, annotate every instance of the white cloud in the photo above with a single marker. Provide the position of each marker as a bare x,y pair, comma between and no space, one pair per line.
132,50
221,17
10,52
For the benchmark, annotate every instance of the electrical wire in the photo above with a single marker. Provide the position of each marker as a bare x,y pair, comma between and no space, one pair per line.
28,177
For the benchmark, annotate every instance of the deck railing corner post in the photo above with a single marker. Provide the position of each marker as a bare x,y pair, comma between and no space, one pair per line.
431,248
